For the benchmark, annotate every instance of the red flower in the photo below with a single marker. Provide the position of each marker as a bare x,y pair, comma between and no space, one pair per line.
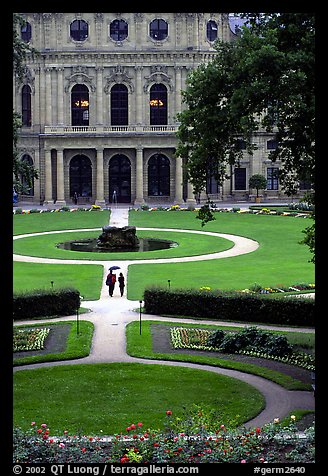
124,459
168,412
258,430
83,450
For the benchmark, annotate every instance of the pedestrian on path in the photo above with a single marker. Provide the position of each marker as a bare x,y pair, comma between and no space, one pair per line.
121,282
110,282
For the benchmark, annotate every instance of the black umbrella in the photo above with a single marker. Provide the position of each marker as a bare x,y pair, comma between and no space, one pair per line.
114,267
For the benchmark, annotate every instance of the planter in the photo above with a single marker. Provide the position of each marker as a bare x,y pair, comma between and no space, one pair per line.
257,199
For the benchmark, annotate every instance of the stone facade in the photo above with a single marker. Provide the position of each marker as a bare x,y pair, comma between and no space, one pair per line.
99,105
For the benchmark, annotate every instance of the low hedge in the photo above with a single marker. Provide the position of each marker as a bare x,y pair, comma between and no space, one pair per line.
45,302
229,306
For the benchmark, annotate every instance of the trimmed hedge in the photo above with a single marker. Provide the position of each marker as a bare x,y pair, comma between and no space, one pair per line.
45,302
229,306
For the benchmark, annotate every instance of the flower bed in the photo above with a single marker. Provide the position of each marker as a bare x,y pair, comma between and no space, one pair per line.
198,339
199,438
258,289
29,339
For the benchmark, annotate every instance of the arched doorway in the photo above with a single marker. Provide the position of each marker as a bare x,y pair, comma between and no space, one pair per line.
119,179
158,176
80,177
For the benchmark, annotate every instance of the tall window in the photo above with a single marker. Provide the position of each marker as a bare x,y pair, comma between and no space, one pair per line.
158,105
272,144
80,176
211,30
80,105
159,175
79,30
158,29
118,30
26,32
119,105
26,106
272,178
240,178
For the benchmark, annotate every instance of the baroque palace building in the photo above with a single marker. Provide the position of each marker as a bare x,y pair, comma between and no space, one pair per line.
99,103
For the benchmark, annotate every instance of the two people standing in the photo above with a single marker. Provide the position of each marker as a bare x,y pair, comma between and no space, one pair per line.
111,280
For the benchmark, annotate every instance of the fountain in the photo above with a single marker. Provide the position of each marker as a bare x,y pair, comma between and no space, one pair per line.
114,239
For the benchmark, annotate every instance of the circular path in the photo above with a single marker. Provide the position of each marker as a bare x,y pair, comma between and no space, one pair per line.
111,315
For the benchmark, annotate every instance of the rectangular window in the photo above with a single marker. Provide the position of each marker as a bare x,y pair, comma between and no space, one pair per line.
240,179
272,178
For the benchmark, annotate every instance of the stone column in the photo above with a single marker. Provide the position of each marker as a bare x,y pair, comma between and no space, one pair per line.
100,200
99,93
60,178
48,198
139,105
190,194
60,97
48,97
178,85
178,181
139,176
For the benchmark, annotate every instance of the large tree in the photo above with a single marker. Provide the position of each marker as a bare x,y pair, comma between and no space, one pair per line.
21,49
265,80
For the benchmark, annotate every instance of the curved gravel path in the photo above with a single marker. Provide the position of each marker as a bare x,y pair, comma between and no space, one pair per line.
111,315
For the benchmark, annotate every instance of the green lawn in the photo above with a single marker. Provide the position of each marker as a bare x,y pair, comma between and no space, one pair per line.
105,398
78,344
280,259
188,245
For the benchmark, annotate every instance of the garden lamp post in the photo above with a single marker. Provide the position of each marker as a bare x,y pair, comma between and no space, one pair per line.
140,302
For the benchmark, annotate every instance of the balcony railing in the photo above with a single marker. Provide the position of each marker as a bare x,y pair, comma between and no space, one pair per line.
112,130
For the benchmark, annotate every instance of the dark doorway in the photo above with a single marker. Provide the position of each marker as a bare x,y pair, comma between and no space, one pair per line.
119,179
80,177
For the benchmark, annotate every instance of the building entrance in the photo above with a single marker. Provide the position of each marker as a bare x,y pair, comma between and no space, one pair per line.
119,179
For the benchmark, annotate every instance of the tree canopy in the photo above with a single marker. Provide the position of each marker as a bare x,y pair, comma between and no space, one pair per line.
20,51
265,80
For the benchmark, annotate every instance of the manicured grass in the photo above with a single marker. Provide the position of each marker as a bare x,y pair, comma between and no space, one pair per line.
141,346
84,277
38,222
188,245
280,259
105,398
78,345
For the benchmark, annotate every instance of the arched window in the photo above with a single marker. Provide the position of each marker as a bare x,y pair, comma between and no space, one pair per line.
211,30
158,105
118,30
119,105
27,184
158,29
80,105
26,32
158,175
79,30
80,176
26,106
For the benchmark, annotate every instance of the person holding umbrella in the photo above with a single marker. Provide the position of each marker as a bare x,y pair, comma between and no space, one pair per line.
111,280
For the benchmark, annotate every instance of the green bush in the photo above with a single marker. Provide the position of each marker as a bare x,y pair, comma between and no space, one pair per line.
253,339
229,306
44,302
